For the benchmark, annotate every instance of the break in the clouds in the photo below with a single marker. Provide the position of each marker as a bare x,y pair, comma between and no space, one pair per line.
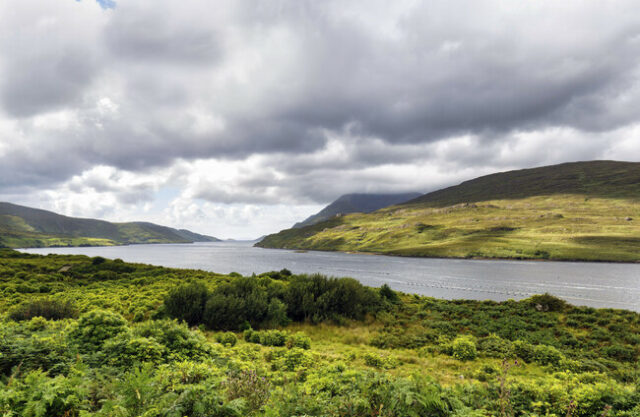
238,118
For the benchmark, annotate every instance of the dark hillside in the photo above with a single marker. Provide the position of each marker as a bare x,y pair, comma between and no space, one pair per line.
356,203
594,178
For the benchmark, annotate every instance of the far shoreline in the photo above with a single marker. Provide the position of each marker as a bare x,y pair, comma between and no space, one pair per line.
460,258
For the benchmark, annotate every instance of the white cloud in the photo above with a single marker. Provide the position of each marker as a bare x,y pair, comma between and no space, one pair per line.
242,117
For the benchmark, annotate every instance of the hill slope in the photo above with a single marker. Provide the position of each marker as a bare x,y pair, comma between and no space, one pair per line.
22,226
574,211
356,203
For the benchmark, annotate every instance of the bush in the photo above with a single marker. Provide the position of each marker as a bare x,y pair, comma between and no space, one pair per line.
33,345
299,340
224,312
180,342
187,302
294,359
318,298
524,350
464,349
48,309
94,328
547,355
621,353
227,339
380,362
495,347
97,260
547,302
388,294
125,350
248,385
243,300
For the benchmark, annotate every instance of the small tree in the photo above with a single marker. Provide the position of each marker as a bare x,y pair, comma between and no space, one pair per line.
187,303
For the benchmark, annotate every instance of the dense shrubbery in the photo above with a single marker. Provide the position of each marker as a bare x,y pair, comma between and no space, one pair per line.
123,357
187,302
277,338
463,349
48,309
262,302
318,298
244,300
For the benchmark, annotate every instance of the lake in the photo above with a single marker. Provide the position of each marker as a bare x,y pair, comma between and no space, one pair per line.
580,283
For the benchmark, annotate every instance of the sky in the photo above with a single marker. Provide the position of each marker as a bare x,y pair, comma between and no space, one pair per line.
238,118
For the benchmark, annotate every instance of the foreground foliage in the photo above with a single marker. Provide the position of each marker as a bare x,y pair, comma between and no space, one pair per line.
93,337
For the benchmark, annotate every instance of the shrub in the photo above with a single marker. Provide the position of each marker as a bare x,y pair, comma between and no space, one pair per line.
294,359
243,300
180,342
33,345
125,350
95,327
266,337
388,294
495,347
299,340
48,309
547,355
227,339
224,312
523,350
273,338
318,298
547,302
380,362
187,302
464,349
97,260
621,352
247,384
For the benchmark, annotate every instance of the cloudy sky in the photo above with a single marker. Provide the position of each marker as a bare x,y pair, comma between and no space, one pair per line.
238,118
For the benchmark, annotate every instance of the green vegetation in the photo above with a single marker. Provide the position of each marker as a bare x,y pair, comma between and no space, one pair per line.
582,211
87,337
22,227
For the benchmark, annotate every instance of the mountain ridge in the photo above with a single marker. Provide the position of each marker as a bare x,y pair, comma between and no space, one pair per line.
356,203
22,226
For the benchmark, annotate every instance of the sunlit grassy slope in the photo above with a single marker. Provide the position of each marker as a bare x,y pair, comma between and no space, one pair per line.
581,211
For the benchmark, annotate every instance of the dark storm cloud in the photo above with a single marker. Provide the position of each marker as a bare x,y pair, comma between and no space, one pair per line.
322,90
34,84
148,35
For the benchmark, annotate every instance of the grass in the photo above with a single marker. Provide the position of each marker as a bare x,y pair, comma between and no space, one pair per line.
557,227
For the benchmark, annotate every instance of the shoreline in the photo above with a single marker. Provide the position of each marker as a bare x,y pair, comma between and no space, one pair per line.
460,258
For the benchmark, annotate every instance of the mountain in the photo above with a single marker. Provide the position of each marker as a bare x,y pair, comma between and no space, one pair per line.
593,178
356,203
22,226
573,211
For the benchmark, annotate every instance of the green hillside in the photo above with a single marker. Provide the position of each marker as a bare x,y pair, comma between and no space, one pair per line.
575,211
22,226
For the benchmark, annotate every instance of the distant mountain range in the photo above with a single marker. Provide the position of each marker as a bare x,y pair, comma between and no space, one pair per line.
573,211
356,203
22,226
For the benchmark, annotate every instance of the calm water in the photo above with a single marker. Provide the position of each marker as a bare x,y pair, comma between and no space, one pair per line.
592,284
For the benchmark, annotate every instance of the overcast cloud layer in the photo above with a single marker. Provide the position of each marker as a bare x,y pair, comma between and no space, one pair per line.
238,118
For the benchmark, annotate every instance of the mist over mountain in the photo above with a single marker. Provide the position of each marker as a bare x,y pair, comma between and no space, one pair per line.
356,203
